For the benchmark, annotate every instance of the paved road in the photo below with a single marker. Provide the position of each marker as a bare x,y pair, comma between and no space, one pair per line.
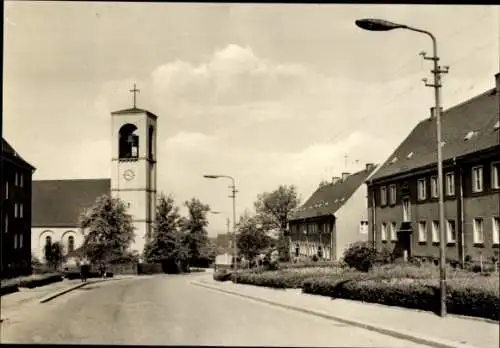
169,310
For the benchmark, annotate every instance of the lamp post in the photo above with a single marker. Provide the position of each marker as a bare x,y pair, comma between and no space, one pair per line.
233,196
382,25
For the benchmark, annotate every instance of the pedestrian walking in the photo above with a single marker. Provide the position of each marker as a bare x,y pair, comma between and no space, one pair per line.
84,272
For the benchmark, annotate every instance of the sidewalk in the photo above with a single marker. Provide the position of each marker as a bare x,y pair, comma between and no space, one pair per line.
28,296
452,330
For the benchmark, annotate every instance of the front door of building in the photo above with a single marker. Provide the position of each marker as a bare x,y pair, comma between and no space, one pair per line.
405,230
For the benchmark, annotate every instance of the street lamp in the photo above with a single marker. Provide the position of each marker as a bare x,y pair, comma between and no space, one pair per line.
382,25
233,196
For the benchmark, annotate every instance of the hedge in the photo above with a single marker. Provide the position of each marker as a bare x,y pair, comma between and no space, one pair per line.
222,276
76,275
287,278
37,280
400,285
308,264
9,287
196,270
479,298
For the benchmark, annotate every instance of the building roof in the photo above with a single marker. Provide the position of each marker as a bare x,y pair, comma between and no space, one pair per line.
329,198
59,203
9,153
134,111
475,118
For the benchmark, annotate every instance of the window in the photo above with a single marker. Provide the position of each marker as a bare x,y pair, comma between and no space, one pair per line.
451,231
422,189
6,223
496,230
6,190
21,181
478,231
15,210
393,231
450,184
15,241
434,187
435,231
363,227
21,210
495,175
383,195
71,243
383,232
20,241
477,179
326,228
392,194
422,231
16,179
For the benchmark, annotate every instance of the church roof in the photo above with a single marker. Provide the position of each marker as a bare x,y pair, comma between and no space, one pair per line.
329,198
59,203
134,111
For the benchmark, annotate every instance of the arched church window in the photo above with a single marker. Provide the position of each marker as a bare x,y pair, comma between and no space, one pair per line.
128,146
71,243
150,142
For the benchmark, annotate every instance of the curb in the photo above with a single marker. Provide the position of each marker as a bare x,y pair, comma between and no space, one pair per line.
401,334
74,287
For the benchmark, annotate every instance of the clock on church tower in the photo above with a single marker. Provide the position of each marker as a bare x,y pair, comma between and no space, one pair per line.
133,169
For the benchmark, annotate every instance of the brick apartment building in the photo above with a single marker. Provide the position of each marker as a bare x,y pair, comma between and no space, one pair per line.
16,213
332,218
403,194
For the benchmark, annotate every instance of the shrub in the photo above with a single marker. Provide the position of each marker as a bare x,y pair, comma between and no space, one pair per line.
196,270
308,264
287,278
476,296
361,256
37,280
8,288
222,276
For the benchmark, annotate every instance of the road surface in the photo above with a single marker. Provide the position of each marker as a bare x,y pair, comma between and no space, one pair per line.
170,310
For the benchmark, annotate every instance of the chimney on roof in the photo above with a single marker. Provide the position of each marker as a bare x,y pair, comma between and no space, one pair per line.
369,166
433,115
345,175
335,179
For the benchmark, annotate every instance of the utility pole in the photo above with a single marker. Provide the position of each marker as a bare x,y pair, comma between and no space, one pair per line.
383,25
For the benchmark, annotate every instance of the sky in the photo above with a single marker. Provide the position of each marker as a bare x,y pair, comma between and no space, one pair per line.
270,94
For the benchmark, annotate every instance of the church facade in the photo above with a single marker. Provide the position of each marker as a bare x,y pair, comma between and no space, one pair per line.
57,204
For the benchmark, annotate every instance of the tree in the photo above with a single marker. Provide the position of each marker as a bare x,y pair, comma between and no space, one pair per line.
108,230
195,232
252,238
53,254
165,245
273,211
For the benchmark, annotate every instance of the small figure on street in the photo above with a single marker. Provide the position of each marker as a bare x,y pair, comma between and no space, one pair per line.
102,271
84,270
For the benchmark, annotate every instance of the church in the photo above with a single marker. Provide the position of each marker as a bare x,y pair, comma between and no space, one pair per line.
57,204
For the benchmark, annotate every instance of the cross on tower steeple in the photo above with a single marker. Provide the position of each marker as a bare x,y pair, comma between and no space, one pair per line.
134,90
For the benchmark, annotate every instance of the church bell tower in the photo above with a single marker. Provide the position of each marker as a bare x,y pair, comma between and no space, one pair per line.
133,167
